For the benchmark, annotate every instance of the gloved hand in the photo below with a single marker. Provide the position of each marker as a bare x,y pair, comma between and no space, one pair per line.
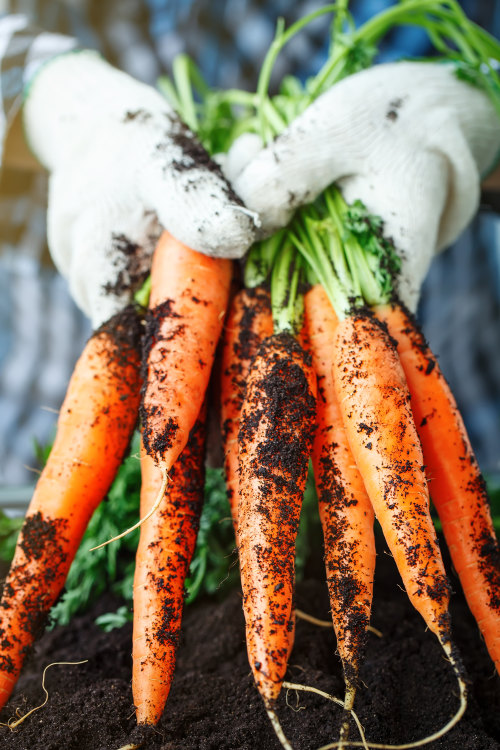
121,165
408,139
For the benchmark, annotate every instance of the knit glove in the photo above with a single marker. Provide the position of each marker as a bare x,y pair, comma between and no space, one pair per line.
122,166
410,140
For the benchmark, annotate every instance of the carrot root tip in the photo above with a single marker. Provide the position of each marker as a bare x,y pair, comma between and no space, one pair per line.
278,729
341,743
350,694
13,723
458,670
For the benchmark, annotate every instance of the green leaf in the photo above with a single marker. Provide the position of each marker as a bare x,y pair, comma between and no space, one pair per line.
111,620
9,531
214,566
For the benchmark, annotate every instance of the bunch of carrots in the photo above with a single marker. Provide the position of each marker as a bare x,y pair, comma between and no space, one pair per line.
319,360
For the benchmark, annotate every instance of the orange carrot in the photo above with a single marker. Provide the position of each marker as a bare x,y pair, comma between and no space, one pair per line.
375,405
188,302
457,488
275,439
345,509
164,554
93,432
249,321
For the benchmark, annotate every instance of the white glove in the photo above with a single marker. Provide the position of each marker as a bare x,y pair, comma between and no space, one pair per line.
122,164
408,139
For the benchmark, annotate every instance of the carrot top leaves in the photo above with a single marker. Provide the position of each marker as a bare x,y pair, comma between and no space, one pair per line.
368,231
346,248
214,566
9,531
286,298
260,260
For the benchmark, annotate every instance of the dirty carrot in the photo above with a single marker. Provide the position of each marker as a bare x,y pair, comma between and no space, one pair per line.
188,302
166,546
249,321
93,431
275,440
375,404
274,443
345,248
345,509
457,487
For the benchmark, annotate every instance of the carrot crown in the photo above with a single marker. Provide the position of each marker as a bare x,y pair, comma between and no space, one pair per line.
274,262
345,248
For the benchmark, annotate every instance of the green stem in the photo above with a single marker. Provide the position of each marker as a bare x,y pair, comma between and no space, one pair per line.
312,249
141,297
370,32
286,301
181,70
195,584
280,40
260,260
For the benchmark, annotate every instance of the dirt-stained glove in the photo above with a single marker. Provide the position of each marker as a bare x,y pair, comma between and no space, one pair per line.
122,164
408,139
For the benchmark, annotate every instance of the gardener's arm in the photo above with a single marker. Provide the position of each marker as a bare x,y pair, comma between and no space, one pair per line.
410,140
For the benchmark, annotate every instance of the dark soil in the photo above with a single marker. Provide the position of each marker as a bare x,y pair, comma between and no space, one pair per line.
409,690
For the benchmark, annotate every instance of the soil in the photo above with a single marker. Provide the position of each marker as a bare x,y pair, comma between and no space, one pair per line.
408,688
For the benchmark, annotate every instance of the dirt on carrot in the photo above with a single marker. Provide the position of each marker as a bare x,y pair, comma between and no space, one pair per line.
275,440
188,301
375,405
249,321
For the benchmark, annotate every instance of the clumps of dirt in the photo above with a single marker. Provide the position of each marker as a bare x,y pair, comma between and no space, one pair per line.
194,157
134,264
44,540
125,331
137,115
248,339
162,325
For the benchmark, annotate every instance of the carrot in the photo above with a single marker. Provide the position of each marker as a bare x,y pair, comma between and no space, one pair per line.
93,431
346,251
248,322
164,554
188,302
345,509
275,439
457,488
375,406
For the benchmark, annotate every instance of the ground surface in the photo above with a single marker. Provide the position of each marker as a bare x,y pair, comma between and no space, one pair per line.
409,689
